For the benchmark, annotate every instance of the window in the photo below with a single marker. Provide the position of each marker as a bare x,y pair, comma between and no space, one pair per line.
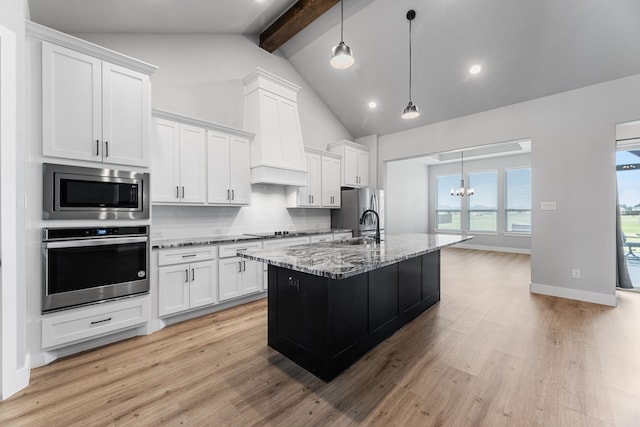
483,205
448,207
518,200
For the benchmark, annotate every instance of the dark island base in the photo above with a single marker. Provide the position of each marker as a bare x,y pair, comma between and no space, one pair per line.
326,325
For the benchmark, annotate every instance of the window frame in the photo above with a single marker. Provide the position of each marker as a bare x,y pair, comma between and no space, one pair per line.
505,201
451,211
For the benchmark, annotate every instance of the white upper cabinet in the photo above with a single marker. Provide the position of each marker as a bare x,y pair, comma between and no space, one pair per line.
331,170
178,163
355,163
92,109
198,162
323,182
229,170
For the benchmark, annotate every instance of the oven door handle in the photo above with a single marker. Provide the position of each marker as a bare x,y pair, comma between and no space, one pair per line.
95,242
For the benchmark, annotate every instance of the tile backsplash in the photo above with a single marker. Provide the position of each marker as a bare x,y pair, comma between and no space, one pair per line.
267,212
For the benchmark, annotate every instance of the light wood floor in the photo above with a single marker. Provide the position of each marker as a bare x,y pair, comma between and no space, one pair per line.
490,353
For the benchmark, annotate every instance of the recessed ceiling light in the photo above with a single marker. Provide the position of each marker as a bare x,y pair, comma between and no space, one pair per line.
373,104
475,69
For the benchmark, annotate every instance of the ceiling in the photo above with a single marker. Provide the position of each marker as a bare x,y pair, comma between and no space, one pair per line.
527,49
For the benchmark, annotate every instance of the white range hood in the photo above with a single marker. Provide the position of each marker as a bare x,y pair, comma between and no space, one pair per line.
271,113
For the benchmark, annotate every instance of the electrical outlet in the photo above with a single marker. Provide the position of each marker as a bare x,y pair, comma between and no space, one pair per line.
548,206
575,273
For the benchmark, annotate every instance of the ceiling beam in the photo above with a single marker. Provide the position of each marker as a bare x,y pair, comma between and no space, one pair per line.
294,20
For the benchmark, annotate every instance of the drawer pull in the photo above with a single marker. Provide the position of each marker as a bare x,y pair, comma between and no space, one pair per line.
188,256
95,322
295,283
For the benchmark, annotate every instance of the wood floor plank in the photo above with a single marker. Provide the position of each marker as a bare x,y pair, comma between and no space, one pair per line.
489,354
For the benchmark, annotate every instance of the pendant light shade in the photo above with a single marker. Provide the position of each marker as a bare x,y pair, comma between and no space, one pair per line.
411,110
341,56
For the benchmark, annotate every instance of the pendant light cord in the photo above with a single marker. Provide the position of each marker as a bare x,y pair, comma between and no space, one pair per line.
341,21
410,62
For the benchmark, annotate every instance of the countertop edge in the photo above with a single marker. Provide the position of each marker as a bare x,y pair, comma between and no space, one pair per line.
214,240
340,276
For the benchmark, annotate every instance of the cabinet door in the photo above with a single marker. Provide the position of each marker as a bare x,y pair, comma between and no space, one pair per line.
240,170
192,164
252,276
350,165
230,278
165,161
314,171
363,169
203,286
71,104
218,188
330,182
125,115
173,289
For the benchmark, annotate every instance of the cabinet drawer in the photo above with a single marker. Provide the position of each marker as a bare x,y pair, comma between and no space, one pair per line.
89,322
231,250
322,238
179,256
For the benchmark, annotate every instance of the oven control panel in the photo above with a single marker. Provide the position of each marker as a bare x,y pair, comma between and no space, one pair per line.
93,232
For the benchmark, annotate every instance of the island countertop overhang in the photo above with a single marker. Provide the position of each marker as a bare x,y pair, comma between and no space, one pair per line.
347,258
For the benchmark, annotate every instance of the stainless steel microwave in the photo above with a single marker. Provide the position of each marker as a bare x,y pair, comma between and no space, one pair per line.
73,192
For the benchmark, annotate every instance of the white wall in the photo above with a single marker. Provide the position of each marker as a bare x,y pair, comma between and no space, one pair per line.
201,76
407,197
499,241
267,212
573,163
14,373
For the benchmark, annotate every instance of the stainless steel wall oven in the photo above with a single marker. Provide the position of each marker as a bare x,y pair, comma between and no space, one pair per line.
91,265
73,192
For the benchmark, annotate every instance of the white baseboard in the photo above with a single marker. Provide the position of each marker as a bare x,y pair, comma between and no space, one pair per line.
576,294
493,248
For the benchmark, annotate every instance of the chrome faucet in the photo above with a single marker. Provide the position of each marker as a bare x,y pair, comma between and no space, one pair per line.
364,214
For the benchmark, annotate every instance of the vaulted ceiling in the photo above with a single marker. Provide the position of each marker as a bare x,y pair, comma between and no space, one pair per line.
527,49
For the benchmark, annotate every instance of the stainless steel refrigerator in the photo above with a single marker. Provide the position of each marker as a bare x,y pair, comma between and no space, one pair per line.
354,202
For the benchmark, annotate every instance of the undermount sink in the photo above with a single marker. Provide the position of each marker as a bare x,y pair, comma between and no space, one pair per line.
362,241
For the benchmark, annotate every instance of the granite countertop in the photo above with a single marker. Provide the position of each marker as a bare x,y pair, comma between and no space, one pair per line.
213,240
339,260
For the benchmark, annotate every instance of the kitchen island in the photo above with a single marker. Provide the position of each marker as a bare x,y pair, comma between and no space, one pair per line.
330,303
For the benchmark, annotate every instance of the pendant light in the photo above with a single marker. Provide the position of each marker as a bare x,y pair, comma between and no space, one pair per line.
410,111
462,191
341,57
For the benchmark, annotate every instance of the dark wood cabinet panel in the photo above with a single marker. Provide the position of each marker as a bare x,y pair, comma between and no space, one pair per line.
383,297
409,283
431,275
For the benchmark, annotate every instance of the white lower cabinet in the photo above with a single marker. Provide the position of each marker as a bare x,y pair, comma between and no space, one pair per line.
342,235
322,238
238,276
185,282
85,323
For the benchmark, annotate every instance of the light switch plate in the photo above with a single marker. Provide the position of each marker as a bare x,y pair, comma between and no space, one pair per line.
548,206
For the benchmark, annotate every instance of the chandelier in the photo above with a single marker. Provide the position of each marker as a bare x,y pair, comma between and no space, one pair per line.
462,190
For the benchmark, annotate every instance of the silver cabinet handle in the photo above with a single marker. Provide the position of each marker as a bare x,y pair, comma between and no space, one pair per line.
95,322
186,278
183,192
244,266
106,148
228,194
189,256
177,192
97,147
233,195
193,274
239,266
